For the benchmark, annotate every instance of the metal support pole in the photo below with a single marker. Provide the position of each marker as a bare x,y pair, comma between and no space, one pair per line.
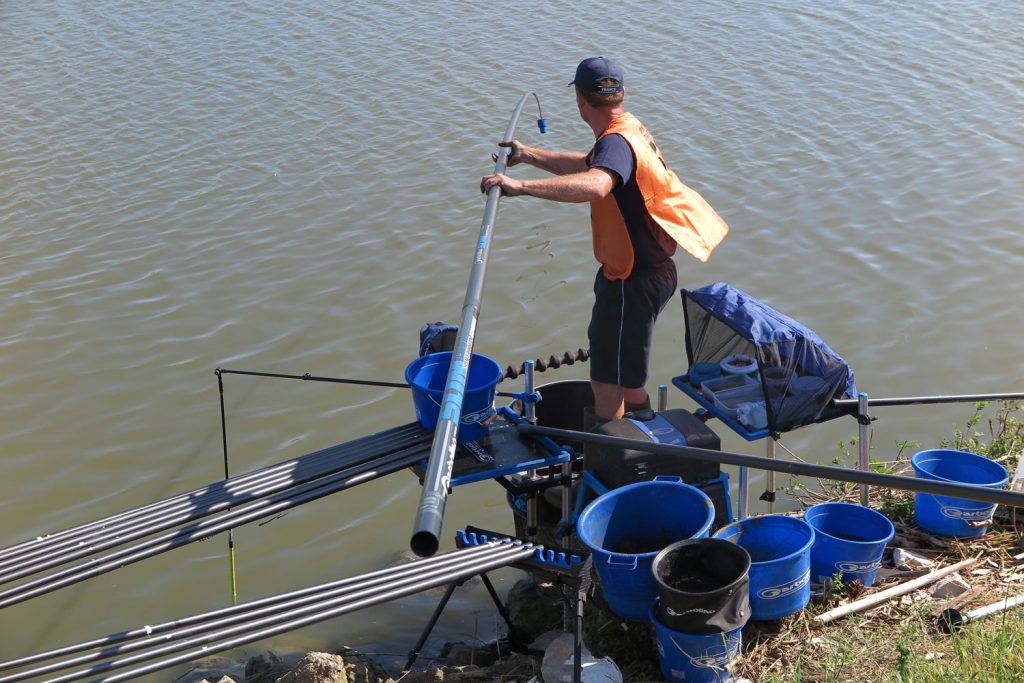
662,398
863,442
577,638
744,491
530,408
530,411
513,634
415,652
770,476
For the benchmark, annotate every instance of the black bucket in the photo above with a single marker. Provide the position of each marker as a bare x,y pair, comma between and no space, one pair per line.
562,403
703,585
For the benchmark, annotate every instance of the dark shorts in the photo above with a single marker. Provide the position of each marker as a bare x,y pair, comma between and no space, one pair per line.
622,323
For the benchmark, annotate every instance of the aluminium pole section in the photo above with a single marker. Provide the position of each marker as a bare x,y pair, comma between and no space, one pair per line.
437,479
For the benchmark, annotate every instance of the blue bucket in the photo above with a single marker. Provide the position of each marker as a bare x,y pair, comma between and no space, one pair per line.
689,658
947,516
780,562
626,527
428,376
848,539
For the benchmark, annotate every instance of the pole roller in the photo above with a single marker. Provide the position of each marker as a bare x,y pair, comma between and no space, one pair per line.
437,479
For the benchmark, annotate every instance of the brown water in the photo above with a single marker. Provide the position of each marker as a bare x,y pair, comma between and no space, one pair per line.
292,187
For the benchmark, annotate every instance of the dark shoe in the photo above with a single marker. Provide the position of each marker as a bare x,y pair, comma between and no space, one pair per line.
640,411
641,415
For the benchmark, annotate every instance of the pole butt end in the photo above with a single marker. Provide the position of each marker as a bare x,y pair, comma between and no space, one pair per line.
424,543
950,621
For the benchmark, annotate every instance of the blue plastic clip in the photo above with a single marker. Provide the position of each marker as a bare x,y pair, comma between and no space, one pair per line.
542,125
527,396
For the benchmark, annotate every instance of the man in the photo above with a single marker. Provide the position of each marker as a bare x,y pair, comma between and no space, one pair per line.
639,212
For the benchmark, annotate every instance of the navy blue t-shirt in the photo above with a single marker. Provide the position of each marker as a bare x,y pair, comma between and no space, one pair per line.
652,246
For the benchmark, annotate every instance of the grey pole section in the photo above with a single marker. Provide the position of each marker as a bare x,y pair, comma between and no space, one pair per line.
862,419
437,480
529,407
941,488
770,475
852,403
744,489
531,417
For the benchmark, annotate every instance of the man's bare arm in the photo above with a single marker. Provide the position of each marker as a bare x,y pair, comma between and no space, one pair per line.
588,186
558,163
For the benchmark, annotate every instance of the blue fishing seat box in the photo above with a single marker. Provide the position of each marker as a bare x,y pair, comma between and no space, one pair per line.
616,467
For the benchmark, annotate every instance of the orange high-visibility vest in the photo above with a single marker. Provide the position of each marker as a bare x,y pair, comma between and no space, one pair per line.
677,209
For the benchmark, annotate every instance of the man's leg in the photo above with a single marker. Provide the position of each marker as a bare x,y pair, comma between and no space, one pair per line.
621,327
608,400
612,401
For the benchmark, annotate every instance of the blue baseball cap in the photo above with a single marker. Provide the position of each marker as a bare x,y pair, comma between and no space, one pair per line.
593,70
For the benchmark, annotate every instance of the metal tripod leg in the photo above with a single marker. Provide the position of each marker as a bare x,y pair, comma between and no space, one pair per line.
430,626
513,634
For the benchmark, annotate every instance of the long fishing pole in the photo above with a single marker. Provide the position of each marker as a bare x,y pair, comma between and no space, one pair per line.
941,488
141,638
246,633
207,528
120,529
132,634
430,515
366,593
851,403
307,466
206,498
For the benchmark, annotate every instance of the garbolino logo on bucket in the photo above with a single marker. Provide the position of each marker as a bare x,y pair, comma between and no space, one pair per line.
966,514
481,417
776,592
695,610
857,567
711,661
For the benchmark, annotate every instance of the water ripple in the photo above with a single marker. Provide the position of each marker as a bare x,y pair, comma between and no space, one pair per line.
292,187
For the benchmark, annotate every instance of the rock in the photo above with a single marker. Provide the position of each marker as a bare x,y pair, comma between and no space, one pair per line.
218,669
317,667
950,586
264,668
559,659
906,560
361,668
534,608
